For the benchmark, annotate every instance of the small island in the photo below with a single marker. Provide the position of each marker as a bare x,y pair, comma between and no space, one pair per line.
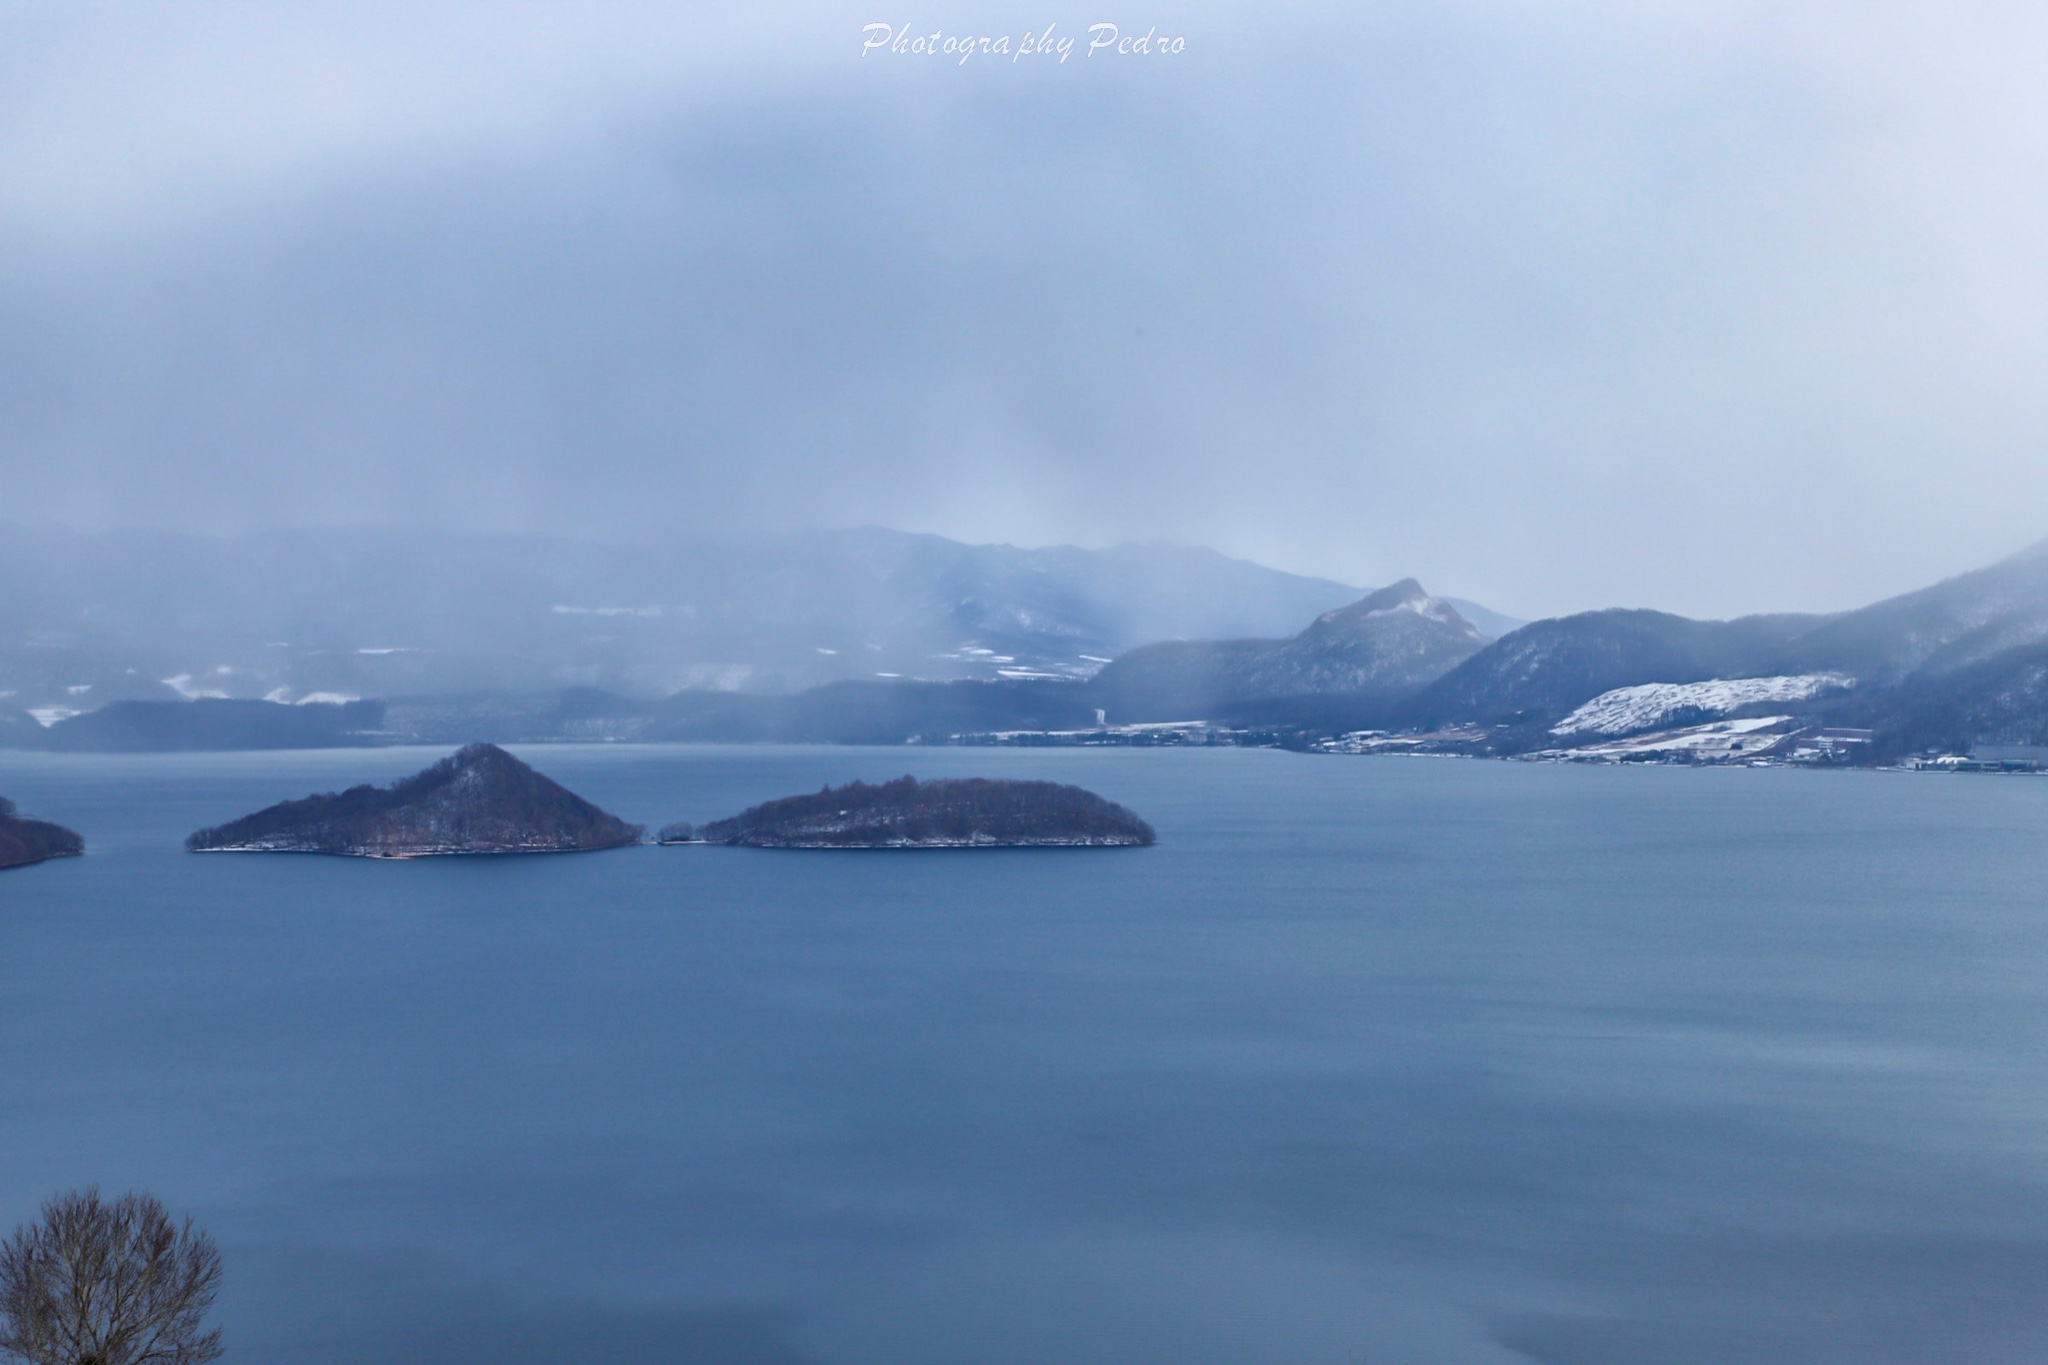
478,800
33,841
960,813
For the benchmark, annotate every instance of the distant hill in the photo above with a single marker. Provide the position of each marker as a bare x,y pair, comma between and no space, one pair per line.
345,612
1999,700
19,730
880,712
212,724
478,800
1545,670
33,841
803,639
1949,664
906,813
1388,644
1952,625
1944,666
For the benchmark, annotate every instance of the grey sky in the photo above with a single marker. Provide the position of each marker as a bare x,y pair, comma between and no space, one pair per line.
1718,307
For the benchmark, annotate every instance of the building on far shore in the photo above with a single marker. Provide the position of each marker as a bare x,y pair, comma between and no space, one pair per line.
2006,758
1830,743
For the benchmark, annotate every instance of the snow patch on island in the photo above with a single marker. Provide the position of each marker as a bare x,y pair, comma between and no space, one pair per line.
1649,705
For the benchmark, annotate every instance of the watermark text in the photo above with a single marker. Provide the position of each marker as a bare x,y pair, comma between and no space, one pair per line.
1046,43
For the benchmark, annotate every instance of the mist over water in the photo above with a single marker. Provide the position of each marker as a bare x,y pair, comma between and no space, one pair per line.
1414,1061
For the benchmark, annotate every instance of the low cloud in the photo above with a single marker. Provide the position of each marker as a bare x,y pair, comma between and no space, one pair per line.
1714,308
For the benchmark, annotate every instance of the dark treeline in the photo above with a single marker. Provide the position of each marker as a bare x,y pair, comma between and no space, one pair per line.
32,841
963,812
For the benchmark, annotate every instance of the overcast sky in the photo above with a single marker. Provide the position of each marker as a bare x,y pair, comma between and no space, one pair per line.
1718,307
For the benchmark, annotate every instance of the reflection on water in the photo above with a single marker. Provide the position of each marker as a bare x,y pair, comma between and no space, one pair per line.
1402,1060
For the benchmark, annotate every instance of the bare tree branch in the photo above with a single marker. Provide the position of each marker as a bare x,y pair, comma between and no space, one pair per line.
94,1282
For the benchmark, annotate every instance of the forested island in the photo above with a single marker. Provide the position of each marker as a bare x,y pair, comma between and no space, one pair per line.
478,800
32,841
956,813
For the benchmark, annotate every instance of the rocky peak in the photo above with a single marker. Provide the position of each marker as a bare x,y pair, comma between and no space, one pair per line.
1406,596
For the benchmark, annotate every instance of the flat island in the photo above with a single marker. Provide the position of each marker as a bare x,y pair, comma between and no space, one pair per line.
971,812
477,800
32,841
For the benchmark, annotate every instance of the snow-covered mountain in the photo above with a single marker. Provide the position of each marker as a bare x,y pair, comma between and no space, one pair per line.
1534,677
1546,670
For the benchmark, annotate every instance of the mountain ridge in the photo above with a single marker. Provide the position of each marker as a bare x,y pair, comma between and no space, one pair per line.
1388,643
340,613
1952,663
1896,649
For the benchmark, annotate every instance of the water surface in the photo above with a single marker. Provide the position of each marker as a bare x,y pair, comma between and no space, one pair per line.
1382,1059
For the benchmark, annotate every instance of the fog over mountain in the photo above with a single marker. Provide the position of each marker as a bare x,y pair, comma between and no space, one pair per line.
341,613
522,638
451,352
1713,309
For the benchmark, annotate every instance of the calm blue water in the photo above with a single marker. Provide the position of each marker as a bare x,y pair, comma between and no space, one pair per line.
1369,1059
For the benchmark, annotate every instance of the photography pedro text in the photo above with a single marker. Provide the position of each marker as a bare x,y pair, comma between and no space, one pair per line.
1048,42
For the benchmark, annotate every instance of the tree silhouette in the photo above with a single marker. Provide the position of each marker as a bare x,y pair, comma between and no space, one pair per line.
99,1283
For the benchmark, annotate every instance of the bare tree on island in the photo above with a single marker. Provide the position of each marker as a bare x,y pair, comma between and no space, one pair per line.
94,1282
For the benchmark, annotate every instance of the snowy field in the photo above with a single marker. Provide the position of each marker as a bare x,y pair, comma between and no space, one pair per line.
1627,709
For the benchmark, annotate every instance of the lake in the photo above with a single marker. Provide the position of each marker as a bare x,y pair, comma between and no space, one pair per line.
1384,1060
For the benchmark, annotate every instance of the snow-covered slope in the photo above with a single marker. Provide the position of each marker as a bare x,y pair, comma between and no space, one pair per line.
1628,709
